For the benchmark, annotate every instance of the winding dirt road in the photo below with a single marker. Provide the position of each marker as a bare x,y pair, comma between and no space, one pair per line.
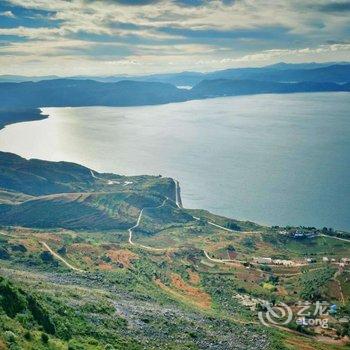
216,225
46,246
137,225
222,261
335,237
130,230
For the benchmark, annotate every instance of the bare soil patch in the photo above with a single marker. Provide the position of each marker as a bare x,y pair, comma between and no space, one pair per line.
105,266
194,294
122,256
194,277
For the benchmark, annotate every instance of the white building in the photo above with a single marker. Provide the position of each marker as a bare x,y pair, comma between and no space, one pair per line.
262,260
283,262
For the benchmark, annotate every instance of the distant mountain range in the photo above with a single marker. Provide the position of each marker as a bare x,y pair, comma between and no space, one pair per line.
229,87
71,92
282,72
338,72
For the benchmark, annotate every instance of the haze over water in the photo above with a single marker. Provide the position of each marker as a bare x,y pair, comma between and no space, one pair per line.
273,159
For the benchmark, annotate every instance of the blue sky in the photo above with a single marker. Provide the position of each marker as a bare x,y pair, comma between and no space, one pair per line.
105,37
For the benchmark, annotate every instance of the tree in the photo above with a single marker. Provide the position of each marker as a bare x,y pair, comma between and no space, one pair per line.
44,338
248,242
46,256
62,251
4,254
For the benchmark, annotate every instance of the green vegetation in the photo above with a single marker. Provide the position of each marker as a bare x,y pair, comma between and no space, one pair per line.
101,292
313,283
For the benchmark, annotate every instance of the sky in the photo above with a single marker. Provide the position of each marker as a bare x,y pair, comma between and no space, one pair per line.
134,37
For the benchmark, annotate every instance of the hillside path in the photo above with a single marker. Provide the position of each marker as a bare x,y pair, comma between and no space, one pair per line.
335,237
222,261
46,246
216,225
137,225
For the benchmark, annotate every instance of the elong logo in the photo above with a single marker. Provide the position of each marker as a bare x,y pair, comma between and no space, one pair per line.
280,314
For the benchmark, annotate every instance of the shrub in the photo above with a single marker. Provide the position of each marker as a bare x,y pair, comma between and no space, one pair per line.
41,315
231,248
312,283
74,345
62,251
12,300
18,248
266,268
4,254
109,347
46,256
10,337
248,242
233,226
27,336
44,338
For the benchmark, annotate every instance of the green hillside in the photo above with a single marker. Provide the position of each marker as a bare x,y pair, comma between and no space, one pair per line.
43,194
103,261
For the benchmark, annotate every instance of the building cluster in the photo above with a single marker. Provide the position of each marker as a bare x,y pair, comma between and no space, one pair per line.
299,234
342,262
270,261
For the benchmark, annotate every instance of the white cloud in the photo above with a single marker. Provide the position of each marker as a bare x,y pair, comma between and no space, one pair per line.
8,14
268,55
32,60
134,35
94,16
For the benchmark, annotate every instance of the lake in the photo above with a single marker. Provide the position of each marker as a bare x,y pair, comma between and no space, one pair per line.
273,159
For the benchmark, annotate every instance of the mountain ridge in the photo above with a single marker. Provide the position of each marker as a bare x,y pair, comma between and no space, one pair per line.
78,93
193,77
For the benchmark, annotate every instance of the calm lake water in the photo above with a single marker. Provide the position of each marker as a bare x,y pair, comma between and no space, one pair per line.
273,159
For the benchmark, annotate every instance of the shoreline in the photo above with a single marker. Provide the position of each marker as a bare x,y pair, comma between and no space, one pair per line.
44,113
9,116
